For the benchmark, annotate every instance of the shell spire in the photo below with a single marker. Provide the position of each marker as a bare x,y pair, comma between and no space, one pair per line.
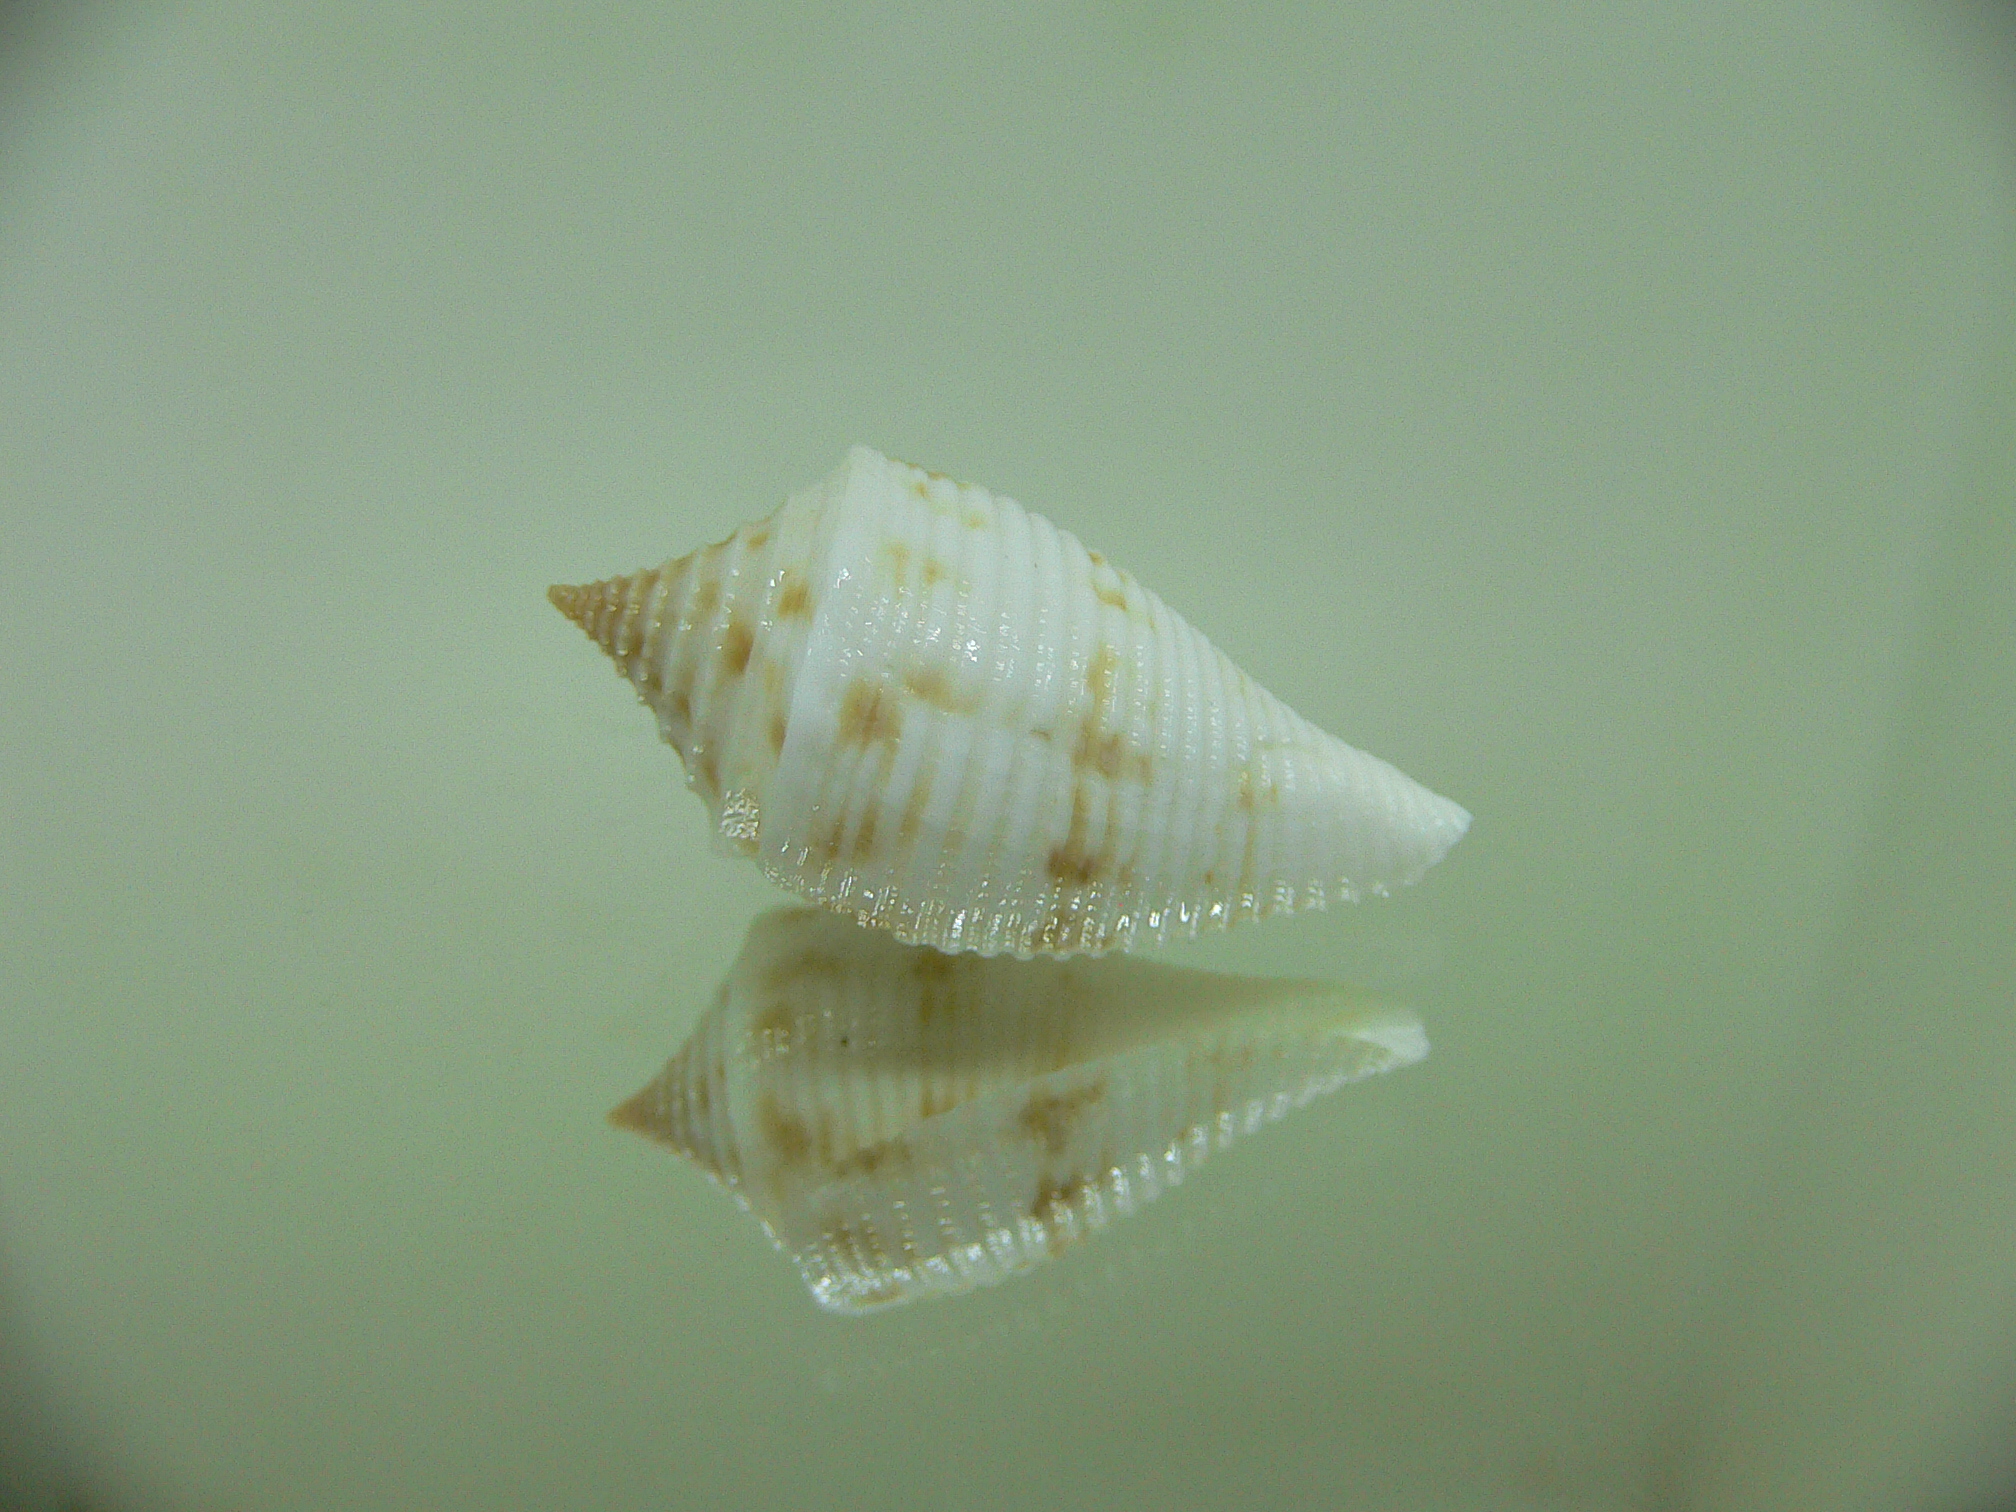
913,701
610,611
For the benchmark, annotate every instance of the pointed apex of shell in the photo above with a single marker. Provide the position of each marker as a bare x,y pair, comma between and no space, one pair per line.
567,598
643,1113
609,611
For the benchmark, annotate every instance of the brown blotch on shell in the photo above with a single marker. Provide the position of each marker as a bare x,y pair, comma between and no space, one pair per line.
933,965
1048,1117
783,1131
777,731
737,641
794,598
757,539
899,559
775,1029
933,686
1255,792
894,1154
1110,756
935,571
1074,862
1053,1207
869,713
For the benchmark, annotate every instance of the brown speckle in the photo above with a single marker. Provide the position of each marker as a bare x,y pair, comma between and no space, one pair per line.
1100,749
899,559
933,965
1099,753
1048,1117
1110,595
777,728
758,538
1256,792
935,571
1053,1206
794,599
932,685
783,1131
776,1027
736,643
894,1153
1073,862
869,714
864,837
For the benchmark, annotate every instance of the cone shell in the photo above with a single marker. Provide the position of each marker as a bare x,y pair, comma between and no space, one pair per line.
915,702
908,1124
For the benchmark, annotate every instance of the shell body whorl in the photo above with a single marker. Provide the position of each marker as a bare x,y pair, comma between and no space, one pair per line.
916,702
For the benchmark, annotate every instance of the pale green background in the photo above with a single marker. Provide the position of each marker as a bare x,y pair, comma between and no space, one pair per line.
1603,414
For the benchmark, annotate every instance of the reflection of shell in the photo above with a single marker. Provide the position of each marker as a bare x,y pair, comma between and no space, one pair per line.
907,1123
913,701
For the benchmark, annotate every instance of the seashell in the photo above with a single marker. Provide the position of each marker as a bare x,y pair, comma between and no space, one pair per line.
908,1124
916,702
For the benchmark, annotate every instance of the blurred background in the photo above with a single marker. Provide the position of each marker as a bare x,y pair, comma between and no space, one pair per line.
1603,413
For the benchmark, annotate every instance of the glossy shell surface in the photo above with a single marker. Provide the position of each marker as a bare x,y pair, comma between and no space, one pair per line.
907,1123
915,702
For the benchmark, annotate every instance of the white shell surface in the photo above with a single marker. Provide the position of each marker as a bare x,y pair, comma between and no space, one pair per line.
916,702
907,1123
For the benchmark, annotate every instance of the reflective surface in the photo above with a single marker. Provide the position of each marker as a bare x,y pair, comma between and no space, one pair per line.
907,1124
1602,416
